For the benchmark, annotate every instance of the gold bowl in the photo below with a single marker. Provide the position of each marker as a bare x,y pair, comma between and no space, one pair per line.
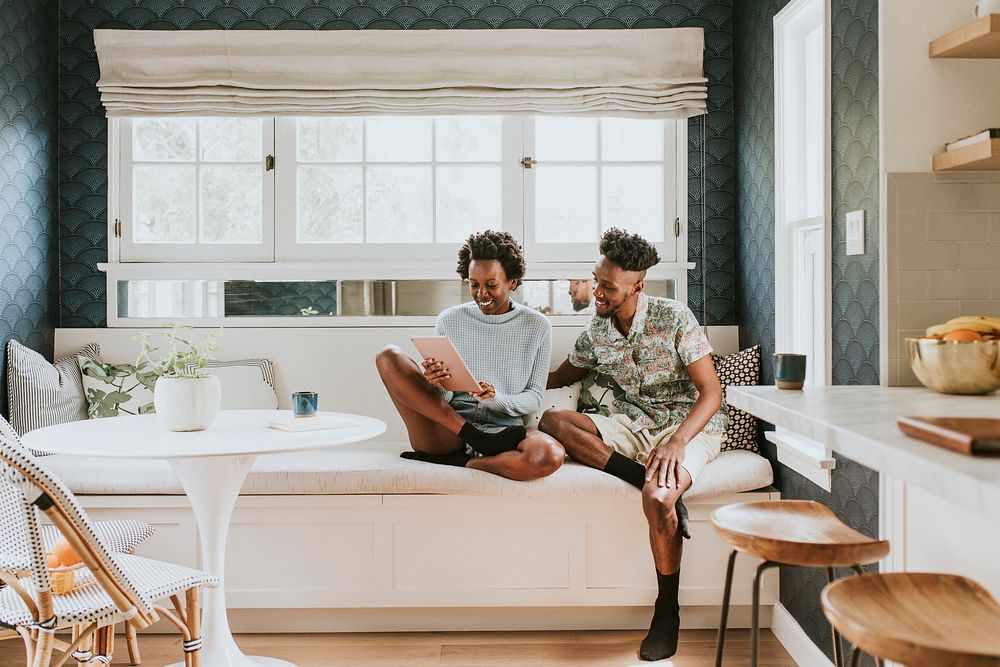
955,366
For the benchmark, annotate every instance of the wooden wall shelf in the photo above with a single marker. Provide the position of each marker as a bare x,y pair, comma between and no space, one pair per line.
984,156
979,39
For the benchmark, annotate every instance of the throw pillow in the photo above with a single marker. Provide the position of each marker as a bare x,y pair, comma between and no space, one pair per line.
739,369
247,384
116,389
597,393
564,398
40,393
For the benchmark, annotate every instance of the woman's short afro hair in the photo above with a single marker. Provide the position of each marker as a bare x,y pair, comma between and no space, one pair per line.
629,251
500,246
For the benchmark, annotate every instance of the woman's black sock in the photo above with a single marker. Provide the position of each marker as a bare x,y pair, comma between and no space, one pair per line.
661,642
491,444
454,459
634,473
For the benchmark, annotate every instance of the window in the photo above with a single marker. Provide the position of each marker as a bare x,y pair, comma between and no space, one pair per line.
802,277
328,188
379,198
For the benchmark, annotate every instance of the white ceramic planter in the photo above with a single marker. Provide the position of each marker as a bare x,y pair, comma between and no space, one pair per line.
187,404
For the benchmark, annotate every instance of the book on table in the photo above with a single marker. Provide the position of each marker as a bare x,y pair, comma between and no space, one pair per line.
966,435
985,135
315,423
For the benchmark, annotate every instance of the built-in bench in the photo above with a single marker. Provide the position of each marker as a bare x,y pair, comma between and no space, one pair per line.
361,539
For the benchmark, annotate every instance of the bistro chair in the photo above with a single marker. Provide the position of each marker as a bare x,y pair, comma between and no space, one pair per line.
122,536
109,589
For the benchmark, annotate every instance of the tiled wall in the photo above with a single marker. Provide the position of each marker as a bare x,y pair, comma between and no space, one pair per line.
83,137
28,282
943,233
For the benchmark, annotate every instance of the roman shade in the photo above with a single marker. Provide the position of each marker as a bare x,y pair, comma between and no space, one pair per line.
647,73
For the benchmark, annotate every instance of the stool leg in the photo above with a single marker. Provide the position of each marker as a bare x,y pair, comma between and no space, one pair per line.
856,657
838,652
725,609
755,626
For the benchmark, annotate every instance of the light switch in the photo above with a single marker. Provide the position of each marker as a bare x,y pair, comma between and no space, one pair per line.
856,233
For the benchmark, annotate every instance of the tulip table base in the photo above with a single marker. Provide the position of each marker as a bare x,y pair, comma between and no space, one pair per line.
212,485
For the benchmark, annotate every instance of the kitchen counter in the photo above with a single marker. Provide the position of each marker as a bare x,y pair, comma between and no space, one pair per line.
938,508
859,422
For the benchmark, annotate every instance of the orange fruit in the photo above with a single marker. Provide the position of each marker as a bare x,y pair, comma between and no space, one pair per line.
52,561
963,334
65,553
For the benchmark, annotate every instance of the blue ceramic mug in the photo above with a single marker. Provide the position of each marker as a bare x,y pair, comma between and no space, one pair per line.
305,403
789,370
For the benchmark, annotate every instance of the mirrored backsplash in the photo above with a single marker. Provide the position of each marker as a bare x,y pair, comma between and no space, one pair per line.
193,299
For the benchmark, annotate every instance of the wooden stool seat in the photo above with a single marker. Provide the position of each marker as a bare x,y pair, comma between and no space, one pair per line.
795,532
917,618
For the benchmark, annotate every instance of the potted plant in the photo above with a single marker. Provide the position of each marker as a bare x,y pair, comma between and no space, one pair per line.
185,396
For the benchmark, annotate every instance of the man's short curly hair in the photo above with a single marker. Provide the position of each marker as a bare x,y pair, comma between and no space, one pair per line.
500,246
629,251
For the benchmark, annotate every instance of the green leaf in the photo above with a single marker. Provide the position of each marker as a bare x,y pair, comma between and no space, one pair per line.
147,409
119,397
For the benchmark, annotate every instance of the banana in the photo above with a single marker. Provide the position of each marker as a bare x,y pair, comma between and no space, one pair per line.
988,326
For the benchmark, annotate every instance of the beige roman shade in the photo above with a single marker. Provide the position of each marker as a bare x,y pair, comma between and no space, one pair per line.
654,73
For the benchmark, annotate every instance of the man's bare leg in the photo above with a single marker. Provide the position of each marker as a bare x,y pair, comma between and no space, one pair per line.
537,456
577,433
659,504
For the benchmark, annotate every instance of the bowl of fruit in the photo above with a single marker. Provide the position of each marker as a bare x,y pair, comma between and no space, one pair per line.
961,356
63,562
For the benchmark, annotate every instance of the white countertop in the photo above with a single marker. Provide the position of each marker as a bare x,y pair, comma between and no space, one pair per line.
859,422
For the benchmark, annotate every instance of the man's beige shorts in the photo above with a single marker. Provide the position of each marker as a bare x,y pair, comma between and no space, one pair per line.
617,433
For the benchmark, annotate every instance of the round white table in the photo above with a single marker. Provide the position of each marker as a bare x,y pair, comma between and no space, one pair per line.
212,466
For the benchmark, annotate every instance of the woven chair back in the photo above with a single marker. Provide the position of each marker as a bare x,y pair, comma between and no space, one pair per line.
27,487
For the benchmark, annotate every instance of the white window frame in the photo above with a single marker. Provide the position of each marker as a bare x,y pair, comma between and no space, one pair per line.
121,207
791,24
292,261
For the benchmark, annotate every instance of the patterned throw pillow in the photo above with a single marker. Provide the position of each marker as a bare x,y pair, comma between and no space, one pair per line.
116,389
597,393
563,398
43,394
739,369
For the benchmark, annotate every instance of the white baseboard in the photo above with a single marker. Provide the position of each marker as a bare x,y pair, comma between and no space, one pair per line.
795,640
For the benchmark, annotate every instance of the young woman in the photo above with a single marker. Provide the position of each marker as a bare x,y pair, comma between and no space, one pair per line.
507,347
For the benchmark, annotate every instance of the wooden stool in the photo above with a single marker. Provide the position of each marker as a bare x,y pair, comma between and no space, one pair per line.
788,532
916,619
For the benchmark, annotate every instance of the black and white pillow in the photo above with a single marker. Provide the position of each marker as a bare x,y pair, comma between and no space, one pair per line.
40,393
739,369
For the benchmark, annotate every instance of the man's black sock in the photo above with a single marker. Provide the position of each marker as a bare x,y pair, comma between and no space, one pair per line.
626,470
634,473
661,642
454,459
491,444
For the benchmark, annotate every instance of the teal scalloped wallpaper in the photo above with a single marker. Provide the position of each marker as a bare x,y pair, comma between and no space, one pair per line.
27,175
83,129
854,115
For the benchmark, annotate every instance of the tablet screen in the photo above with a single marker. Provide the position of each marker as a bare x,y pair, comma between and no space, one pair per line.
442,349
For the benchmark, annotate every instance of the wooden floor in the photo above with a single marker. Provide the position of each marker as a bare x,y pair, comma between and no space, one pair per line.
462,649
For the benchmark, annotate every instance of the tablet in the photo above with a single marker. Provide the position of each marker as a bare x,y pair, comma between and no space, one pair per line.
442,349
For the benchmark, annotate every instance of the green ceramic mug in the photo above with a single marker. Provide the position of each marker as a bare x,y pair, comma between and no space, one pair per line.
789,370
305,403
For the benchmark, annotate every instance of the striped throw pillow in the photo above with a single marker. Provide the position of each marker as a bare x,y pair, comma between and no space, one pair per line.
40,393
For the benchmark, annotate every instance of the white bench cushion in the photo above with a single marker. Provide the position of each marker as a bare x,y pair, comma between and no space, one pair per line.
375,468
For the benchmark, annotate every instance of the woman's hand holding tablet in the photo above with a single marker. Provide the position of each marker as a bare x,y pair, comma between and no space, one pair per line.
449,369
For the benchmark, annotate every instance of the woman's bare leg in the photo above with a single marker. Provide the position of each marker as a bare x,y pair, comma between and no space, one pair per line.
432,424
538,455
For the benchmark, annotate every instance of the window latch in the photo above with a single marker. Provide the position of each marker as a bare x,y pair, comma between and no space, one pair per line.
527,162
118,228
269,163
677,228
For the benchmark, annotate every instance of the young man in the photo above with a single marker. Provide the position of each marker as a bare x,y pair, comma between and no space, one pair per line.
669,424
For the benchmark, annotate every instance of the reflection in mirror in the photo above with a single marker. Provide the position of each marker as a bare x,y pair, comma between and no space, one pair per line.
192,299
